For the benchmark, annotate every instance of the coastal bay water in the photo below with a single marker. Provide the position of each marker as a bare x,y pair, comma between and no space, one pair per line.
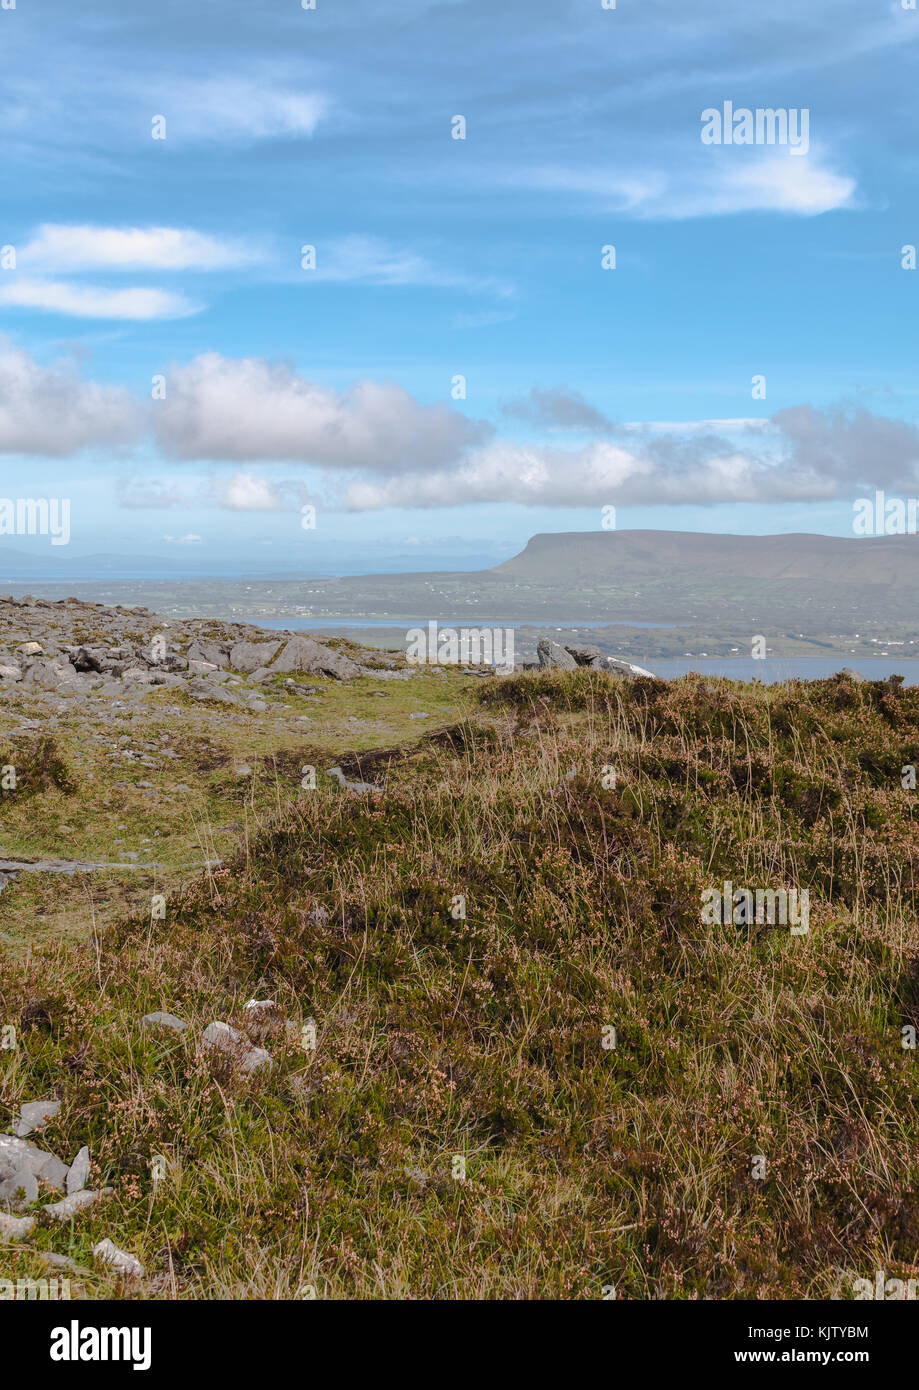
770,670
333,624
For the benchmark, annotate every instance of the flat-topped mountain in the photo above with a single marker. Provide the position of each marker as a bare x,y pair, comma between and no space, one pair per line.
710,592
813,584
569,556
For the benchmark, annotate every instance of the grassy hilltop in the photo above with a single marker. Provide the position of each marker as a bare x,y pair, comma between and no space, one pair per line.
441,1036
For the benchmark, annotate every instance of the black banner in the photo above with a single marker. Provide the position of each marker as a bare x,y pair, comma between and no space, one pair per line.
66,1341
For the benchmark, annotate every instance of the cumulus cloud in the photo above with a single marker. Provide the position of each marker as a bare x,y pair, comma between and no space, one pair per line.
238,492
801,455
504,471
847,447
51,411
95,301
251,410
58,247
250,492
375,446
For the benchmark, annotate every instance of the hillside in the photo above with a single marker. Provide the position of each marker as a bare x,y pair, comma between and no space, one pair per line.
440,967
149,764
639,594
567,558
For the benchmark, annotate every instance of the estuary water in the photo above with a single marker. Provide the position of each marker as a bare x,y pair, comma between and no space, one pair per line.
742,668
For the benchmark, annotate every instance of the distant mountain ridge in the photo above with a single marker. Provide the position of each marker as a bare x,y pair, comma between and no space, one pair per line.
567,557
713,587
54,567
13,561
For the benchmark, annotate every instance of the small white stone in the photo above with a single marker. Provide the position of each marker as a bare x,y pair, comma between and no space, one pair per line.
220,1035
161,1020
120,1260
78,1172
15,1227
77,1201
35,1115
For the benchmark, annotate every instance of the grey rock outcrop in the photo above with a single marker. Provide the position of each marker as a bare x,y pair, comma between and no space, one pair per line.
304,654
571,655
19,1154
553,656
210,652
85,659
249,656
80,650
600,661
236,1045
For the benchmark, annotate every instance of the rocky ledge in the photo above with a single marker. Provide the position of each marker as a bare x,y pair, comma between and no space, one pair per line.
72,647
553,655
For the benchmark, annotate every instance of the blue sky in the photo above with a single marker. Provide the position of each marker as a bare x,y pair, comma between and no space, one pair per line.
436,258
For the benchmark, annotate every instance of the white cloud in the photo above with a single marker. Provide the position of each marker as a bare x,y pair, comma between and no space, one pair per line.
50,411
252,410
375,446
249,492
240,492
190,539
58,247
716,181
778,184
369,260
244,492
809,455
505,471
95,301
240,109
